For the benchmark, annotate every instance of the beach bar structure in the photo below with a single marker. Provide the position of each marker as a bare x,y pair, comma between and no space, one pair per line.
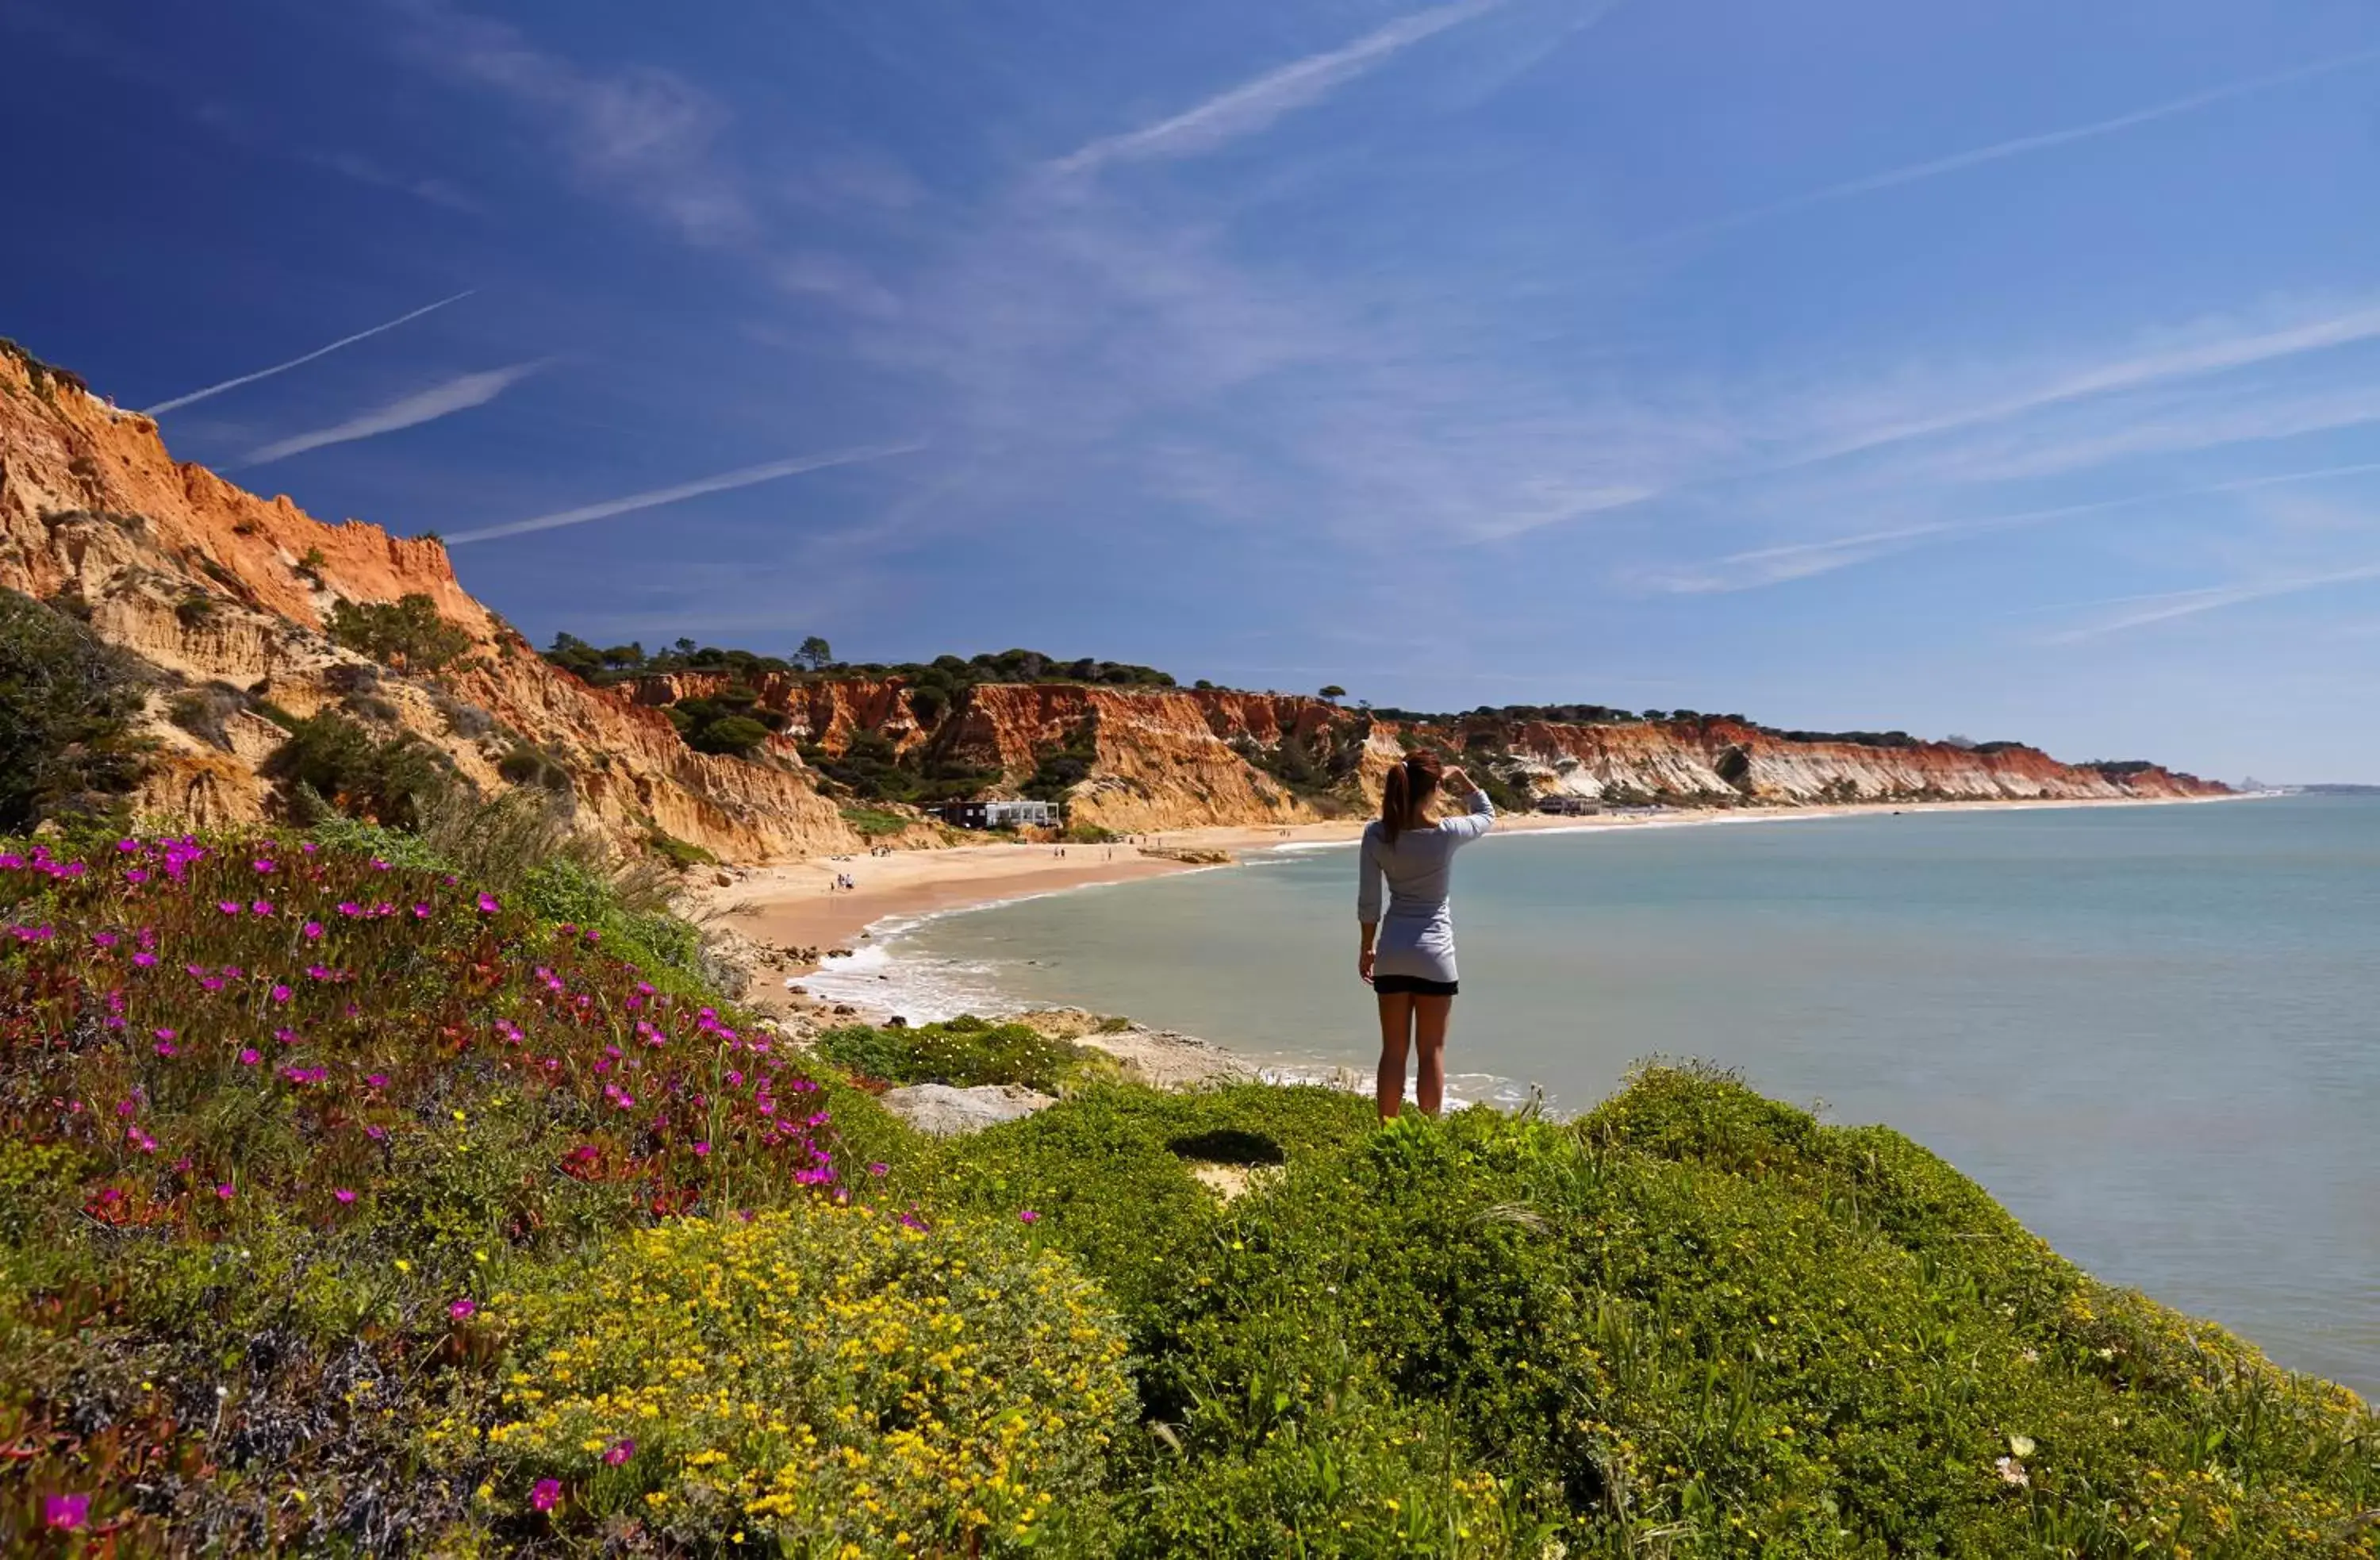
996,814
1569,806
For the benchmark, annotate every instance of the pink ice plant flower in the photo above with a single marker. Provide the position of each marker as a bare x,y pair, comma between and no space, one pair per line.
618,1452
488,905
248,1056
343,1194
463,1310
65,1513
546,1495
313,929
1026,1215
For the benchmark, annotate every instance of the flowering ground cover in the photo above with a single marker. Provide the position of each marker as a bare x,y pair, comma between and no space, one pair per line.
350,1206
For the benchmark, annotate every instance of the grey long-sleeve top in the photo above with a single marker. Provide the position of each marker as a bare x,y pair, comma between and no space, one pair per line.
1417,936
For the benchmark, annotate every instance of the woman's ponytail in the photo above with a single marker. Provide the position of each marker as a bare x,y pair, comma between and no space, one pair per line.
1406,789
1396,803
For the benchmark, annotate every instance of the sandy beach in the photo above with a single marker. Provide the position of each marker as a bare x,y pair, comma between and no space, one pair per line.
793,905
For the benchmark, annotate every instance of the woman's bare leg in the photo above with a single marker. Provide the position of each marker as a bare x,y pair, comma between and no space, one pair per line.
1430,1013
1396,1023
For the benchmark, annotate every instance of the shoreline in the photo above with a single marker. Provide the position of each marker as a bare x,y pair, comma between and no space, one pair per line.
791,906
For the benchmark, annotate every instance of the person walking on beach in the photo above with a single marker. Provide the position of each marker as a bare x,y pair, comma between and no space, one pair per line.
1407,955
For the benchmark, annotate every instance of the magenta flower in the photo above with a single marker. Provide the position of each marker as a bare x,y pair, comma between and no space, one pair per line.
228,907
343,1194
248,1056
463,1310
262,865
224,1190
262,907
313,929
488,904
421,912
166,1048
547,1495
1028,1216
702,1150
618,1452
145,960
880,1169
281,993
65,1513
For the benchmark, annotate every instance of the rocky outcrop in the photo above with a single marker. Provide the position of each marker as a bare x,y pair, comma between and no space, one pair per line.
226,594
1727,762
209,584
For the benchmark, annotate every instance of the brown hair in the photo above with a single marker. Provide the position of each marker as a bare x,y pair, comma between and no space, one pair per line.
1406,791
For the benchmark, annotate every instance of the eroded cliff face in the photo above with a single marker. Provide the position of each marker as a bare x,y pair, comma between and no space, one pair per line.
1725,760
210,584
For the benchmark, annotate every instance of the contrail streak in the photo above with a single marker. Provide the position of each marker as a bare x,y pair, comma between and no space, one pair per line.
2018,147
163,407
746,477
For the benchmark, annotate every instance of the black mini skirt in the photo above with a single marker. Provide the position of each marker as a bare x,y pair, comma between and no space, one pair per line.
1412,985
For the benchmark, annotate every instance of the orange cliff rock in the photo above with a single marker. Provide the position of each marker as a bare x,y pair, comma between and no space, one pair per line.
209,583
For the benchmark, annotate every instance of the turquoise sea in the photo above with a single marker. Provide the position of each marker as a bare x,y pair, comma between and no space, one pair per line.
2153,1032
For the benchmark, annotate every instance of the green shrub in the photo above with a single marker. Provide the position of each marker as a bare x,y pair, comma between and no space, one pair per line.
68,744
204,712
875,822
812,1378
734,735
530,765
964,1051
680,854
398,780
407,632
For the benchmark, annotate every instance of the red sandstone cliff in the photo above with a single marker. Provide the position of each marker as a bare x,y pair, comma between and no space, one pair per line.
209,583
1175,758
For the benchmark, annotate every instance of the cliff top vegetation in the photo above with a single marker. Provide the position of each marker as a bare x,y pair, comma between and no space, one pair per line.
944,678
626,663
348,1203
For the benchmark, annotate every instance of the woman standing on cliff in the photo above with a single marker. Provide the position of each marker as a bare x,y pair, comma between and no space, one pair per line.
1408,956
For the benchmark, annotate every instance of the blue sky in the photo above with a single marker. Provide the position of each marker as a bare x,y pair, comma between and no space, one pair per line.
2011,370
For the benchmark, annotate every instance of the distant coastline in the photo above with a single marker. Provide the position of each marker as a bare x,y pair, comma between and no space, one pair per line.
789,908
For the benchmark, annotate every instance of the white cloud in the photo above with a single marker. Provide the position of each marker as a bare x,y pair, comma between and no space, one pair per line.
842,282
1759,567
363,170
645,134
460,394
1254,105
